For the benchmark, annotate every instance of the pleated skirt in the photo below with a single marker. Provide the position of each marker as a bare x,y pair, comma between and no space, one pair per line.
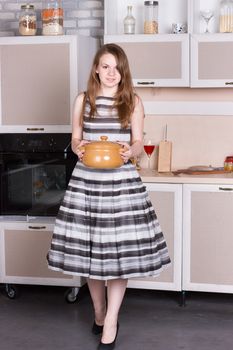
106,227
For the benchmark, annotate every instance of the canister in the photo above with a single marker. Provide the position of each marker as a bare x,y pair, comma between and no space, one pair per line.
150,17
27,20
52,18
228,163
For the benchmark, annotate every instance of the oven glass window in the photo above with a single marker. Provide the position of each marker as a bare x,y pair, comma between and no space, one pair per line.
35,189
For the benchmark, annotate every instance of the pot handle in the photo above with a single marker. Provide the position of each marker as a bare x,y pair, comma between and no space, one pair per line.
103,138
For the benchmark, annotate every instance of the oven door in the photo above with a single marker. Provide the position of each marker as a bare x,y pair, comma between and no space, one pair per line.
34,184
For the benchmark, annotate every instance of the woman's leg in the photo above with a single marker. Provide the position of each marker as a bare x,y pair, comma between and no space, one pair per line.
115,293
97,291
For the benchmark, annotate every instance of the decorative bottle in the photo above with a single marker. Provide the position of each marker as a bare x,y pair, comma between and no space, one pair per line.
129,22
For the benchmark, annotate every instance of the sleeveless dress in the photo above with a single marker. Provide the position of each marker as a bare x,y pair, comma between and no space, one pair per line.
106,226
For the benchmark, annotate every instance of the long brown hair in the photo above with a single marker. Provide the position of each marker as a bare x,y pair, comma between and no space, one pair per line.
125,96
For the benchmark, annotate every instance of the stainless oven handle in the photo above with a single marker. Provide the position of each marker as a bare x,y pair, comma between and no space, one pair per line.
37,227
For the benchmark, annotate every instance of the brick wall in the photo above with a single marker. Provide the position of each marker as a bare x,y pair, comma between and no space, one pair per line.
84,17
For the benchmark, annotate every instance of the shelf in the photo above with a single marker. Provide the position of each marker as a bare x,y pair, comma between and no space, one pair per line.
170,11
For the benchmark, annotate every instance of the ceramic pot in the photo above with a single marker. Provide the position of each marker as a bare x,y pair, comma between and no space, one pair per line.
102,154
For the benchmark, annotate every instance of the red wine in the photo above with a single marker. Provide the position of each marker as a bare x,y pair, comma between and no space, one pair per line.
149,149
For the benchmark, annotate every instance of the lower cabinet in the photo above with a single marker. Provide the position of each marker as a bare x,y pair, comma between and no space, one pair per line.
23,250
197,223
208,238
167,202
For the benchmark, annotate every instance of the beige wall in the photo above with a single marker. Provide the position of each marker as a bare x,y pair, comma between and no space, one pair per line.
197,140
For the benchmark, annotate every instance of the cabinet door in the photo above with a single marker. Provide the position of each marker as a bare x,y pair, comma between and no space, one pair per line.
23,256
35,84
211,61
167,202
160,60
208,238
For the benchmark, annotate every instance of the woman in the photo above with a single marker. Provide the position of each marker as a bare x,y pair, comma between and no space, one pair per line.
106,228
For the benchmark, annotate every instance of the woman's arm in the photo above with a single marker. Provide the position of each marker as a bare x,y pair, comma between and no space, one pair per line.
77,128
137,125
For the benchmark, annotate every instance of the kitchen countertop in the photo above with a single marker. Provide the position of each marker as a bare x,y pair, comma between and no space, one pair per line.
156,177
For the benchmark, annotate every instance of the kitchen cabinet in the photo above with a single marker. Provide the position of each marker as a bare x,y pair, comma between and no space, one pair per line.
207,238
167,201
156,60
211,60
40,78
23,250
164,59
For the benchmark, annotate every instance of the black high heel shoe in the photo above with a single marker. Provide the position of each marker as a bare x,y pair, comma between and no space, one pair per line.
109,346
96,329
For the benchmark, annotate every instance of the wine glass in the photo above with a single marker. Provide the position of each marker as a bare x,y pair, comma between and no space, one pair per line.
149,147
207,15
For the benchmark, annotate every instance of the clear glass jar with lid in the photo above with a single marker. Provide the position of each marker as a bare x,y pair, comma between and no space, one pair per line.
226,16
150,17
52,18
27,20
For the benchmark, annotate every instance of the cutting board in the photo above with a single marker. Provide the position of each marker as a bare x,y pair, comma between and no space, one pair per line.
200,172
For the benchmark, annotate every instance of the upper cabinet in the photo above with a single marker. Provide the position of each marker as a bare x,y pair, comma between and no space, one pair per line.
195,59
40,77
155,59
211,61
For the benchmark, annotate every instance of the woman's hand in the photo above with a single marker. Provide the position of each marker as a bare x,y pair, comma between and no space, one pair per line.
79,149
126,151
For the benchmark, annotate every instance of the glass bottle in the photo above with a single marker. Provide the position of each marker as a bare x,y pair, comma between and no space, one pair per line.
52,18
27,20
226,16
129,22
150,17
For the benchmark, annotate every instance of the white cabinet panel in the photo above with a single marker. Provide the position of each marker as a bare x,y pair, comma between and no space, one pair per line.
159,60
208,238
167,201
39,80
211,60
23,250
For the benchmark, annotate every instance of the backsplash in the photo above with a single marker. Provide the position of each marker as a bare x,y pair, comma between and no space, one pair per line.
83,17
196,139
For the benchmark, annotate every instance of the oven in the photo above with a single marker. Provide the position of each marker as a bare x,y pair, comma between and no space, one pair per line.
34,173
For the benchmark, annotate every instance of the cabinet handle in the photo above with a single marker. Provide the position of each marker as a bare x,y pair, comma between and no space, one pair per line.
145,83
37,227
225,188
35,129
229,83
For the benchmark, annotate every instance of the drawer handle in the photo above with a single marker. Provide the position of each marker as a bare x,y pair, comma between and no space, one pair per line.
225,188
35,129
145,83
229,83
37,227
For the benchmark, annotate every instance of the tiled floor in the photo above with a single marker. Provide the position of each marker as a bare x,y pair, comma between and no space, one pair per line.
40,319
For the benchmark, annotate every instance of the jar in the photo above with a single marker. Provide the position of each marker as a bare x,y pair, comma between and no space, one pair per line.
226,16
129,22
150,17
52,18
228,163
27,20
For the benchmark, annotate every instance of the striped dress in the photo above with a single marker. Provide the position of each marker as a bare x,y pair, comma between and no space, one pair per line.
106,226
